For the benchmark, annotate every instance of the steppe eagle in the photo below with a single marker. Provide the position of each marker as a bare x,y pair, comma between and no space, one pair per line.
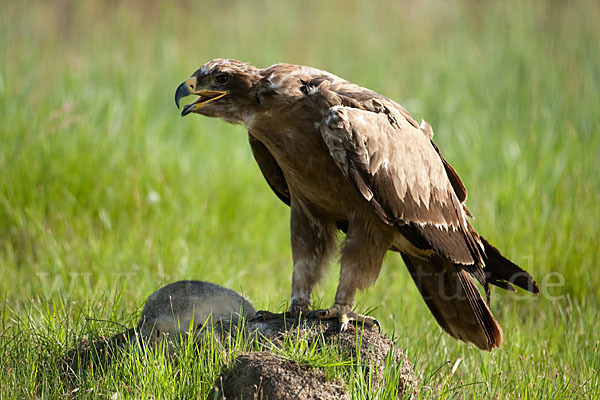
344,157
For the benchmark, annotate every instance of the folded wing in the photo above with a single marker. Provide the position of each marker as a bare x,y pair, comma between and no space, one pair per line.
401,174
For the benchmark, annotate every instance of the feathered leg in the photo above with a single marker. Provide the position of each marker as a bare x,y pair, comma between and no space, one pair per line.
361,261
313,243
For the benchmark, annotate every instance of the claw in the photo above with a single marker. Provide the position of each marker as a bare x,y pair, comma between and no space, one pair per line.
375,322
345,316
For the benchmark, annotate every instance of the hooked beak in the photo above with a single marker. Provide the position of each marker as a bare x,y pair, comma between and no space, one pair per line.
205,96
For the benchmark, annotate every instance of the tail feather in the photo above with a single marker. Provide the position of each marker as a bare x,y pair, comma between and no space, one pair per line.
454,300
502,272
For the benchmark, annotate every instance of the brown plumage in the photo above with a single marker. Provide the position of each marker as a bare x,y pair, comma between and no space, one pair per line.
344,156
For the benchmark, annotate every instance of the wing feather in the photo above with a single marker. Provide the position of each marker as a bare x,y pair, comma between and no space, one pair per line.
395,167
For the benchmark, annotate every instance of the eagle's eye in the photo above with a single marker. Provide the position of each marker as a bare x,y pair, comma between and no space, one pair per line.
221,79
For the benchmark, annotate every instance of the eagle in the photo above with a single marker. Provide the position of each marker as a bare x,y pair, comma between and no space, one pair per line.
344,157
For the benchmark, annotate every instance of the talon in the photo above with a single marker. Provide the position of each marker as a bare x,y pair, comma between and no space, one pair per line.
376,323
343,314
344,320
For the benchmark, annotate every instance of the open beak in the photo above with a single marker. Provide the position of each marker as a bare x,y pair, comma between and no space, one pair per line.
205,96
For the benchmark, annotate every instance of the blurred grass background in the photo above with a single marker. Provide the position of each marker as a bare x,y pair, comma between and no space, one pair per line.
107,194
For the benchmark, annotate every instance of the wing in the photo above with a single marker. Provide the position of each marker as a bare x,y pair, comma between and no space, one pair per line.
395,167
351,95
270,169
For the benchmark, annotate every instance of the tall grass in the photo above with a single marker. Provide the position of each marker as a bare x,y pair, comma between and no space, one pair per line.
106,194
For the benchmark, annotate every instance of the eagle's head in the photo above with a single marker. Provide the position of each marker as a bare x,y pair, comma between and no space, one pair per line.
225,88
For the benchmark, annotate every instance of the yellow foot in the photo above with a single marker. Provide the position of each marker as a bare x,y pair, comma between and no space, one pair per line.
344,314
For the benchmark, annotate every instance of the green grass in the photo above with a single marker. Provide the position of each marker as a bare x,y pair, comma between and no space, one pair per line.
107,194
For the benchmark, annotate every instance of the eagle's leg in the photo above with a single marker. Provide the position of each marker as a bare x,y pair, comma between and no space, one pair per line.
361,261
313,243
